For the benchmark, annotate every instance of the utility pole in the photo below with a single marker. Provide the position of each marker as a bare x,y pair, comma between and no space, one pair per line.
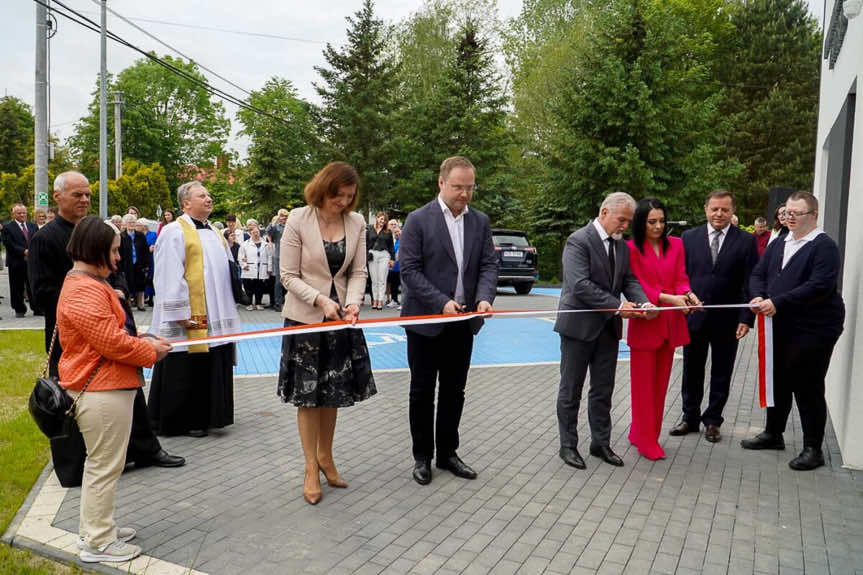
40,136
103,118
118,135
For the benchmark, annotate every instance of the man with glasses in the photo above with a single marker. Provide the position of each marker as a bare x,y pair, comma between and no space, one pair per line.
796,284
448,266
719,259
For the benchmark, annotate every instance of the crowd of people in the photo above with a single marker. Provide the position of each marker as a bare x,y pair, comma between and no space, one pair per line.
314,262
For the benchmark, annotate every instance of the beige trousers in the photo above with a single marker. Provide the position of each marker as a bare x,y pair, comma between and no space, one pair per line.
105,420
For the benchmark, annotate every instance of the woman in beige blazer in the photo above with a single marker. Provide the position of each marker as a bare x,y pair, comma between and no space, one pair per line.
322,265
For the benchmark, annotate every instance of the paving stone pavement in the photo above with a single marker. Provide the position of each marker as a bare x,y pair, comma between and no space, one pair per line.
237,506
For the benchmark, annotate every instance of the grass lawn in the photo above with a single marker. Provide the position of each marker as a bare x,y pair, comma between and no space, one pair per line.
23,448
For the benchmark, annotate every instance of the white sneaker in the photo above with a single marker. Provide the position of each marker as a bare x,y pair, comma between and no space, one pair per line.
124,534
116,552
393,304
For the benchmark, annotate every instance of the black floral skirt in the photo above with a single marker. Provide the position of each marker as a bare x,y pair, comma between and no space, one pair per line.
329,369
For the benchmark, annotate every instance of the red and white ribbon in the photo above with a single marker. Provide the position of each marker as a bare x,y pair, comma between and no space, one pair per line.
412,320
765,360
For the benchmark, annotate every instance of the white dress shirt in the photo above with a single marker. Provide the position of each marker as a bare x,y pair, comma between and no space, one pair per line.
792,246
455,226
603,235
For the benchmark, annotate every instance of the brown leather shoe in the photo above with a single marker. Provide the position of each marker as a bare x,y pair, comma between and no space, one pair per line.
683,428
711,433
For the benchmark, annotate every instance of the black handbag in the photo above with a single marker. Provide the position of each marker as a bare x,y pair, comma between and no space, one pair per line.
51,407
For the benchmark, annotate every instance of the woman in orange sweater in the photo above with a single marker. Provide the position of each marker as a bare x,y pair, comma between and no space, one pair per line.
90,328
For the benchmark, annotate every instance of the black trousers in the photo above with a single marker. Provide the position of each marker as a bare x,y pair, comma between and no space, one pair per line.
394,279
722,344
143,443
576,356
445,358
799,368
19,284
254,290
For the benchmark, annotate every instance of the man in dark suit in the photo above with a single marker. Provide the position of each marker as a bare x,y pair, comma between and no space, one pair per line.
16,237
595,273
448,266
719,259
49,263
796,284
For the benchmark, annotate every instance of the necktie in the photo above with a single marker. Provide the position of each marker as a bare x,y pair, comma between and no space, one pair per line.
714,245
611,244
25,232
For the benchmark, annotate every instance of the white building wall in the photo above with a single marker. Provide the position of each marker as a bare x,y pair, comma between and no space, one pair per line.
845,377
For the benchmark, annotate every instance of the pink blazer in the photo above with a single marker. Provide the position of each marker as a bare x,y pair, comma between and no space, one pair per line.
659,274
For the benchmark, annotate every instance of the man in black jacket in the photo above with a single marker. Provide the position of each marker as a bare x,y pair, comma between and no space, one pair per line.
719,259
796,284
16,236
49,263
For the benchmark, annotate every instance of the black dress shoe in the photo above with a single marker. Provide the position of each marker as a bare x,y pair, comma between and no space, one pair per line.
197,433
606,454
422,472
809,458
456,466
571,457
165,459
20,314
712,434
683,428
764,440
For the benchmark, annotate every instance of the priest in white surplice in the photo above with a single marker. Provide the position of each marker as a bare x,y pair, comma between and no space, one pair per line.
193,390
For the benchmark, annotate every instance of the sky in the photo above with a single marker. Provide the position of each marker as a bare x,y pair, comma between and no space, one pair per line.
245,60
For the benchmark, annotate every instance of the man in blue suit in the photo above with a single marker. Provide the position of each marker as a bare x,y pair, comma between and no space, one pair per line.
448,266
16,236
796,283
719,260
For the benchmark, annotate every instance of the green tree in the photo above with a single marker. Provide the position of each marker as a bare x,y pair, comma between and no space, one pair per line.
641,114
166,119
282,155
357,99
455,107
141,185
771,77
16,134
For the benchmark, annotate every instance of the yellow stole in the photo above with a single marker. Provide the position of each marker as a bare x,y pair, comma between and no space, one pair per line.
194,275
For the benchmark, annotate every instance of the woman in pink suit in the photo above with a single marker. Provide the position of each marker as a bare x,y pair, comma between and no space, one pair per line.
658,262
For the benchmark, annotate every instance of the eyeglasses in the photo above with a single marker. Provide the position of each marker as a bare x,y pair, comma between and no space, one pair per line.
796,215
459,188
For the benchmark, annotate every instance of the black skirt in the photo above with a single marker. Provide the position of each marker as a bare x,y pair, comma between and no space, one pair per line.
192,391
329,369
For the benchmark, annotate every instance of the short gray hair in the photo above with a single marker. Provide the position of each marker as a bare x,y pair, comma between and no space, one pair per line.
184,190
60,180
129,218
760,221
616,199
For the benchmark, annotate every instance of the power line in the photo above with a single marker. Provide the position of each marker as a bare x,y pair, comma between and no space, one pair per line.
85,22
175,50
224,30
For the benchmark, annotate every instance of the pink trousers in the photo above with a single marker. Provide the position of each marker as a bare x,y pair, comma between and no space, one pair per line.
649,374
